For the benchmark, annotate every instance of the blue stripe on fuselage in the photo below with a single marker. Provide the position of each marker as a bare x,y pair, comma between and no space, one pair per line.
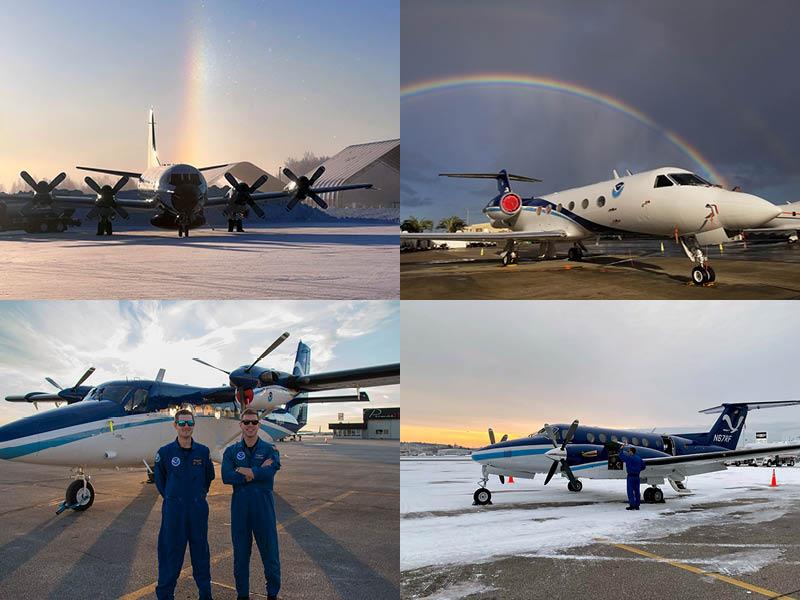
510,453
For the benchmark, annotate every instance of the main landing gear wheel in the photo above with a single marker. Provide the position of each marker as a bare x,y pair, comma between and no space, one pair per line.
574,254
230,225
239,227
78,496
510,258
482,497
703,275
653,495
575,486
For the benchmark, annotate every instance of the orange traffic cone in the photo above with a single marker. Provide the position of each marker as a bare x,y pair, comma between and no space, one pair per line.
510,479
774,482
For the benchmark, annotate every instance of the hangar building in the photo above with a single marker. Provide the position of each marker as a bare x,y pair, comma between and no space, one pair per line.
379,424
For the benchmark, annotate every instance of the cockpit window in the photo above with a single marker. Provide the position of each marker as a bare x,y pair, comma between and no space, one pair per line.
687,179
662,181
112,393
137,402
194,178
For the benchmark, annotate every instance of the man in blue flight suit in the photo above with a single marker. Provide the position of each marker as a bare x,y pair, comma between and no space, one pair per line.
634,465
183,474
250,466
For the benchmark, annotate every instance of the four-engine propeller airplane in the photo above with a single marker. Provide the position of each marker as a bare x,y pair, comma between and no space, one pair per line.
38,213
179,194
667,202
123,423
593,452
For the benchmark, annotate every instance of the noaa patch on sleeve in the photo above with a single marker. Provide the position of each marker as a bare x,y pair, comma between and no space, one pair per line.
176,461
158,457
240,455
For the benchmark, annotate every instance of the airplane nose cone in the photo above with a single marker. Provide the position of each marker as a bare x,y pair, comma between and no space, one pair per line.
745,211
185,198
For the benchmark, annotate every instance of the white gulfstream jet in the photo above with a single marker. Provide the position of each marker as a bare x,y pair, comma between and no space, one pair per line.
179,193
668,203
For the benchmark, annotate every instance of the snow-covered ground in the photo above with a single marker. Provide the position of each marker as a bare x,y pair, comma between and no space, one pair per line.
439,525
300,261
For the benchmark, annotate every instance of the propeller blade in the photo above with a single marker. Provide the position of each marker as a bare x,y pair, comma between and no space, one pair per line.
202,362
120,184
92,184
292,203
59,178
258,183
53,383
275,344
84,377
504,438
256,208
491,436
570,433
320,202
232,180
551,472
121,211
28,179
502,478
317,174
289,174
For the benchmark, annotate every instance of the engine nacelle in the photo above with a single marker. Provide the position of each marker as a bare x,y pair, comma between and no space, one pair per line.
510,204
269,398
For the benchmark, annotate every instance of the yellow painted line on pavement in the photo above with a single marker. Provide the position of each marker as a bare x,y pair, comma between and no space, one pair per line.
151,588
696,571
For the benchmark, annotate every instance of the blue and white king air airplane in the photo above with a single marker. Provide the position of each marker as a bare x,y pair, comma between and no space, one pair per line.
123,423
593,452
179,193
664,203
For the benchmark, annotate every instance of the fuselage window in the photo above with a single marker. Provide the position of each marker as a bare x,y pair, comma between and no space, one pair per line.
559,207
571,206
662,181
590,437
635,441
614,438
601,201
603,438
585,203
624,439
645,443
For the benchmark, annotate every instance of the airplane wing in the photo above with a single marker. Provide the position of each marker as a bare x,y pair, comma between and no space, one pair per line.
127,203
487,237
694,464
334,380
129,174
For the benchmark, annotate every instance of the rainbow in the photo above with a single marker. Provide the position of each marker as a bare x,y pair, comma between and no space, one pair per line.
446,84
196,71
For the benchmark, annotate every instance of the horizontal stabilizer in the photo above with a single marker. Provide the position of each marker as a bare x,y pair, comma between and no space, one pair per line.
111,172
750,405
492,176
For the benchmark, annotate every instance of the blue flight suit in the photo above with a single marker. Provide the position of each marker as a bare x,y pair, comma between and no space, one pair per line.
633,465
253,512
183,477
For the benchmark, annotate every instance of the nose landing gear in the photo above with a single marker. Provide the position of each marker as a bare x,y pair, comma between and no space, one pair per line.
80,494
702,274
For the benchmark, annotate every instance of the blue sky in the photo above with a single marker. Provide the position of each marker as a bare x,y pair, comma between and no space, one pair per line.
135,339
248,80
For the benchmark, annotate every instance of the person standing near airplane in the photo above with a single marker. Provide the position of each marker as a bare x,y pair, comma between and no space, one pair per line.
249,466
634,465
183,474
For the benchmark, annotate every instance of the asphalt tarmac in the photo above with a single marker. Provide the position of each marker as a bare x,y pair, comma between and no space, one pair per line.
298,261
632,271
656,569
337,507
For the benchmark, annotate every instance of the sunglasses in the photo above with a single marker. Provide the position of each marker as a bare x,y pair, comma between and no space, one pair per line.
250,422
184,423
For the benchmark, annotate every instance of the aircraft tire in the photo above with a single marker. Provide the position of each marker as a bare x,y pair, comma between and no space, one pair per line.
505,260
711,276
75,494
657,496
230,225
699,275
482,497
42,227
99,228
575,487
239,227
574,254
647,496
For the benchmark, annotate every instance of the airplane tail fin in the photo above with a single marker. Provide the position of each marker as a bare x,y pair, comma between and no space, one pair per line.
302,366
152,155
729,425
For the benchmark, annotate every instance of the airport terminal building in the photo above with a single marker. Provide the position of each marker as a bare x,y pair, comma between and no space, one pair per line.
378,424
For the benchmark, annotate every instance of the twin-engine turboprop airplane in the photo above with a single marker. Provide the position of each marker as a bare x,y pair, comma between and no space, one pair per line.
668,202
123,423
593,452
179,193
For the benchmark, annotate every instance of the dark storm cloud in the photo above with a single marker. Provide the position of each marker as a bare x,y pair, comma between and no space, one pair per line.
718,74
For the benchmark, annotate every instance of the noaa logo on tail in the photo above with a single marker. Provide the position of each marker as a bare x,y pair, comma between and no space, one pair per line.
618,189
732,429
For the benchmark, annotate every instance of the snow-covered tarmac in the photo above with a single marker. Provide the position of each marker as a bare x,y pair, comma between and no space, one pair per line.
439,525
308,261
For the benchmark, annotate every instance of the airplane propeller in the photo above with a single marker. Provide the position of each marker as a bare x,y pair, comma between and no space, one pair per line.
491,440
83,378
241,192
303,188
106,198
559,455
42,190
